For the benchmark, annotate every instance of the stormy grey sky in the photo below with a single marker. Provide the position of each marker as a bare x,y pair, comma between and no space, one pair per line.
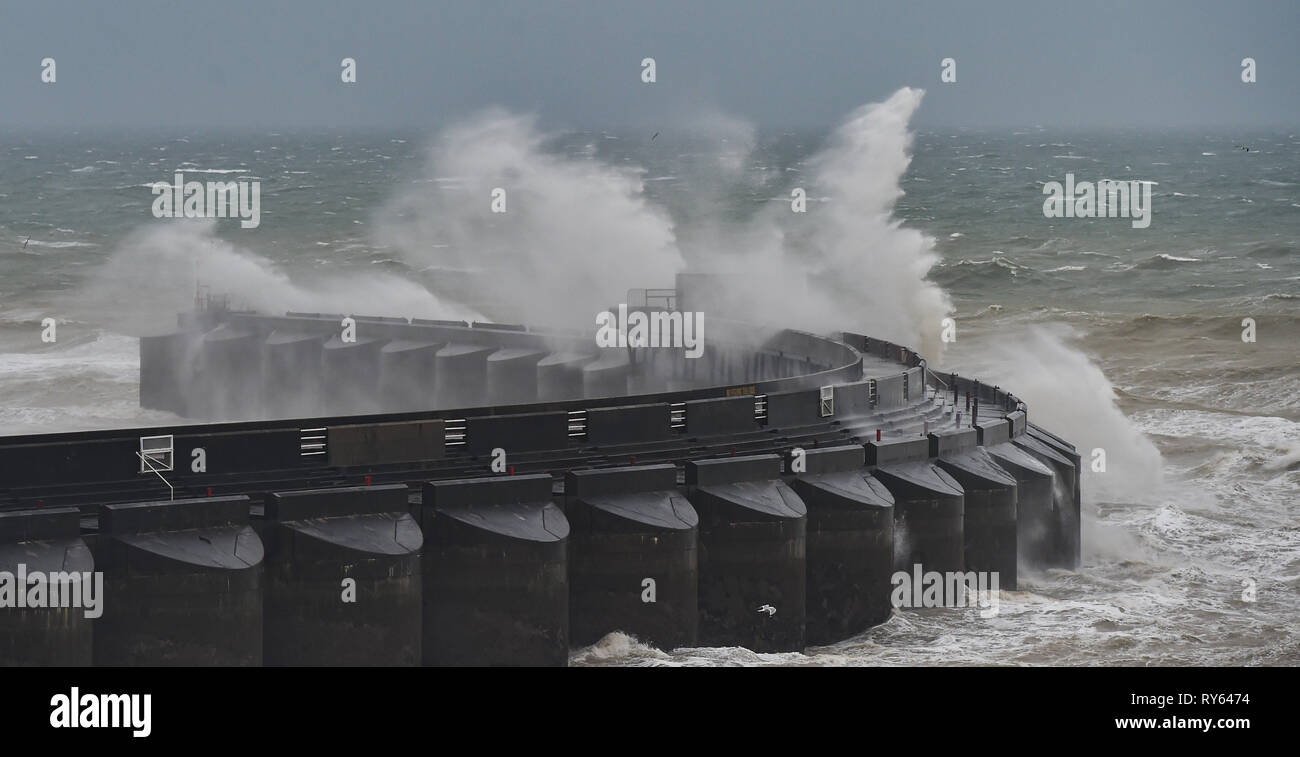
777,63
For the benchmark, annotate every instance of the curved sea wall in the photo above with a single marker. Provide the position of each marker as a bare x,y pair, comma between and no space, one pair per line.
769,501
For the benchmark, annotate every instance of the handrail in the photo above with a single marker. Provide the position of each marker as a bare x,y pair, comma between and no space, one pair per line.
144,460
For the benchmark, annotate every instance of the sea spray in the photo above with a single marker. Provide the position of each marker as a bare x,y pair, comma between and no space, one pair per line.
867,266
1065,391
578,233
575,236
846,262
152,276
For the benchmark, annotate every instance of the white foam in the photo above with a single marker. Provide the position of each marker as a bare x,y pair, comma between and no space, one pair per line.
152,276
58,245
211,170
1067,393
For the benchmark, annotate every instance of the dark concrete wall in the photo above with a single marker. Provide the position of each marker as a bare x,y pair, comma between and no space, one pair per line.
350,371
624,425
385,443
183,584
793,408
990,521
1064,552
227,384
726,415
461,375
406,374
165,370
853,399
1035,519
559,376
292,383
889,392
850,543
634,560
929,507
753,560
343,578
516,433
496,585
512,375
48,542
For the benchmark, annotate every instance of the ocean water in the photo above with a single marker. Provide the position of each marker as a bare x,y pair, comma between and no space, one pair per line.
1120,339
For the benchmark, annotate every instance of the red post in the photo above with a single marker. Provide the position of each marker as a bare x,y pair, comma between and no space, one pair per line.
877,434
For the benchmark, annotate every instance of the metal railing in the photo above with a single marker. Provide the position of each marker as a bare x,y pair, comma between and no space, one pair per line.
652,298
311,442
677,417
454,432
577,424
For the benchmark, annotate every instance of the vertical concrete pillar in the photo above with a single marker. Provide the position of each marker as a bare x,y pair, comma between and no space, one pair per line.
343,570
633,564
850,541
496,582
42,551
753,563
183,584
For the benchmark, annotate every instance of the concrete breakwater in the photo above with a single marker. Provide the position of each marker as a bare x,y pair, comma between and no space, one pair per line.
767,504
514,570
